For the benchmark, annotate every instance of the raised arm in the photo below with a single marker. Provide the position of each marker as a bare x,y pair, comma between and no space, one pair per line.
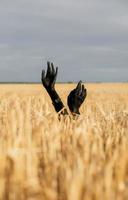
76,98
48,81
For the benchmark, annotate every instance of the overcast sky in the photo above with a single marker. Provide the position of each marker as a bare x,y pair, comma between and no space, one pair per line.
86,39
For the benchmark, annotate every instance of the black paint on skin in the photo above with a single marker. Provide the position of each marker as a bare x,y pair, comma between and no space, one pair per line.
75,98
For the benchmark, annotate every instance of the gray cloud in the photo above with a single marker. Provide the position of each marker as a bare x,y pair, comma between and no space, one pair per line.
87,39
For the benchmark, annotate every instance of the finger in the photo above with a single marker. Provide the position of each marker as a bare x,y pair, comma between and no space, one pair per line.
48,69
53,69
83,88
55,77
78,85
43,75
84,92
56,71
78,88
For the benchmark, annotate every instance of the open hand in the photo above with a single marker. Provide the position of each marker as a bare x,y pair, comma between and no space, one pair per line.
49,79
76,98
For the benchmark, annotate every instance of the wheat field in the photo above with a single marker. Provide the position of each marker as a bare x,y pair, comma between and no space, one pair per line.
42,158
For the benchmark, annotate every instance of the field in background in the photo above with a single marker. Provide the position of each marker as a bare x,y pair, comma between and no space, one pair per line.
42,158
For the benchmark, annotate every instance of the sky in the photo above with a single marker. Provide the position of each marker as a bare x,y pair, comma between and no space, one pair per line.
86,39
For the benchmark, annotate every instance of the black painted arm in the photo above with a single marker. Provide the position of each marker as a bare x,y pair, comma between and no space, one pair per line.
48,82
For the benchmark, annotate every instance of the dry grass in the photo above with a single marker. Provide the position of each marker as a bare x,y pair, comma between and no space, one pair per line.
44,159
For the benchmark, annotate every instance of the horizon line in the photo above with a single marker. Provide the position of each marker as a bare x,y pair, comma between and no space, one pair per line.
60,82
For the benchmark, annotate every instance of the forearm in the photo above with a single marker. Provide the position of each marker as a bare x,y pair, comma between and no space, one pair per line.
56,101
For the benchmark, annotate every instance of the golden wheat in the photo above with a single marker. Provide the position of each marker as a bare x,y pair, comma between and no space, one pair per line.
43,158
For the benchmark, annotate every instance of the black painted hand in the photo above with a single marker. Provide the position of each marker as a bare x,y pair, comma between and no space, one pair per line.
76,98
49,79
